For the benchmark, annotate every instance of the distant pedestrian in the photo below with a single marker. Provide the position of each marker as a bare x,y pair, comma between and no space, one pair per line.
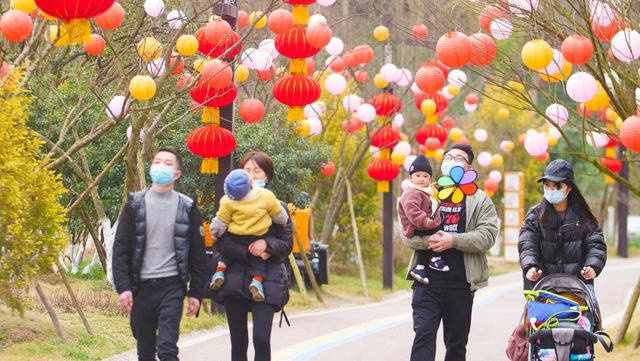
159,258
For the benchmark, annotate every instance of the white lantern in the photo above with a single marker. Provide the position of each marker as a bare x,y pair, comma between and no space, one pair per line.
175,19
398,120
317,19
351,102
335,84
269,46
154,8
458,78
366,112
625,45
335,46
501,29
389,72
558,113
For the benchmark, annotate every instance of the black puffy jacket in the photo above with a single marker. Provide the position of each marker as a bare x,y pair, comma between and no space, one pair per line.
130,241
564,250
237,276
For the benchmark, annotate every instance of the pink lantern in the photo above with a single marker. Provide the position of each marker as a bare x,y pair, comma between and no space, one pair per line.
582,87
403,147
175,19
313,110
316,126
404,77
558,113
554,132
597,139
154,8
317,19
480,135
389,72
366,112
506,146
247,57
501,29
408,161
484,159
405,184
625,45
556,64
351,102
116,107
156,67
603,14
495,175
457,78
536,145
335,46
335,84
326,2
262,61
523,8
269,46
470,107
398,120
130,131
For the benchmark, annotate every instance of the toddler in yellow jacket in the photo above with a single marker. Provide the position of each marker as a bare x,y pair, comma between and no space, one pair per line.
246,212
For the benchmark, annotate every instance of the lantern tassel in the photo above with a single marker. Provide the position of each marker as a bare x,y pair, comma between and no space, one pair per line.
432,119
300,14
298,66
296,114
385,153
383,187
211,115
209,166
76,31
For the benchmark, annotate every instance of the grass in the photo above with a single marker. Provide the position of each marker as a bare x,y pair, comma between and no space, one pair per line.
633,250
624,350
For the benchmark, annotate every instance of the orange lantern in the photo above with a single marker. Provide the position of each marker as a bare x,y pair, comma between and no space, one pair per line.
217,31
112,18
251,110
630,133
429,79
217,73
16,25
319,35
243,19
96,46
577,49
280,21
491,13
484,49
337,65
454,49
420,31
172,63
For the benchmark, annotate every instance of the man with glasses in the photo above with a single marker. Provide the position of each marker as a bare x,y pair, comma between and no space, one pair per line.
468,230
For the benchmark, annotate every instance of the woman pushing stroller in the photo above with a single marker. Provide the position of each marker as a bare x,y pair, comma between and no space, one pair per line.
561,234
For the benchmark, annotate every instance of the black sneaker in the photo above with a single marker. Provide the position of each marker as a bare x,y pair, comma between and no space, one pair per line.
420,275
439,265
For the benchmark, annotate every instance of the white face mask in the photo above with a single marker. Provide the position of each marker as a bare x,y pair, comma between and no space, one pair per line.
448,165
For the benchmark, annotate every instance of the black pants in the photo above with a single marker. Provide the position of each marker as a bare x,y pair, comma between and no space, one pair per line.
424,256
237,311
452,306
257,266
155,318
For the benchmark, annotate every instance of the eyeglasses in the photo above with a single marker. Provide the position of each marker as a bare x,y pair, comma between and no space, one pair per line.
457,158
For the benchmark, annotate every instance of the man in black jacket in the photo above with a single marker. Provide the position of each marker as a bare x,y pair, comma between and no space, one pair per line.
159,247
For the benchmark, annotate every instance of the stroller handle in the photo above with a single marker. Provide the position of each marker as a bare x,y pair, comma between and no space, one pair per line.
577,333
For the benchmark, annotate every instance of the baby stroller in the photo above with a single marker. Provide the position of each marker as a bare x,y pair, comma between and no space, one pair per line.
563,320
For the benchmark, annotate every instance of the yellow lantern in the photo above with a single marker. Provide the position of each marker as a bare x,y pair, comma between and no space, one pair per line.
404,137
198,64
27,6
149,49
379,81
453,90
429,153
611,114
428,107
489,193
455,134
550,139
561,76
508,145
381,33
497,160
317,74
254,16
53,35
439,154
515,85
187,45
242,73
47,16
303,128
503,113
398,157
142,87
608,179
619,122
281,71
537,54
600,101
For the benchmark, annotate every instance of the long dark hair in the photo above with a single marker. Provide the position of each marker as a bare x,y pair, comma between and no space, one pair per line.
576,202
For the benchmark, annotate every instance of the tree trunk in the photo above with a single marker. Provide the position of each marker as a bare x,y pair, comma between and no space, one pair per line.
100,249
109,234
354,224
75,302
628,314
52,312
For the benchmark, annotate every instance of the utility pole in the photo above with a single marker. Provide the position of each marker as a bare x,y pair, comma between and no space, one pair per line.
387,198
623,206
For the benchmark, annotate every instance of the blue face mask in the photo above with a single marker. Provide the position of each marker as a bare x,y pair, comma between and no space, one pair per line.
554,196
161,174
448,165
261,183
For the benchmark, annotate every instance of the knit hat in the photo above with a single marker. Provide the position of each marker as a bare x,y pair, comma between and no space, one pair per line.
237,184
420,164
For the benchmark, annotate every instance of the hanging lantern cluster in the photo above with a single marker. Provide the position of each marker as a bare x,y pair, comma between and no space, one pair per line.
384,169
75,28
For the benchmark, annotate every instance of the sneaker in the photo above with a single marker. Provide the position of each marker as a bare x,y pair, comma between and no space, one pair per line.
439,265
256,291
217,281
420,275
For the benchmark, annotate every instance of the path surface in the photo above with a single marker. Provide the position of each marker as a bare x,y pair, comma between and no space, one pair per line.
383,331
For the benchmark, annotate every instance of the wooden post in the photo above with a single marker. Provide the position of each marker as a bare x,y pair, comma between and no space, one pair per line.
628,314
299,281
74,299
363,275
52,312
307,265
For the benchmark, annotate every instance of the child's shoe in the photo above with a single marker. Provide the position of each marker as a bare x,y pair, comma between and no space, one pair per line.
420,274
438,264
256,290
217,281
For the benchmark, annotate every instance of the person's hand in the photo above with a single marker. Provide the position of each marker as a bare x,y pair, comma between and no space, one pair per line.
214,238
258,247
126,300
194,306
533,274
588,273
427,223
265,256
440,241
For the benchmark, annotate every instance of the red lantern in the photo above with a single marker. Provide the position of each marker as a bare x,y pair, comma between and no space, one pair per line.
471,98
211,142
16,25
351,126
448,122
97,45
491,185
386,138
383,170
295,45
484,49
337,65
328,168
362,76
613,165
251,110
112,18
630,133
606,32
386,104
464,140
217,31
454,49
214,50
296,91
74,15
172,63
319,35
420,31
300,2
431,131
543,157
491,13
441,102
280,21
212,99
5,70
429,79
577,49
582,110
